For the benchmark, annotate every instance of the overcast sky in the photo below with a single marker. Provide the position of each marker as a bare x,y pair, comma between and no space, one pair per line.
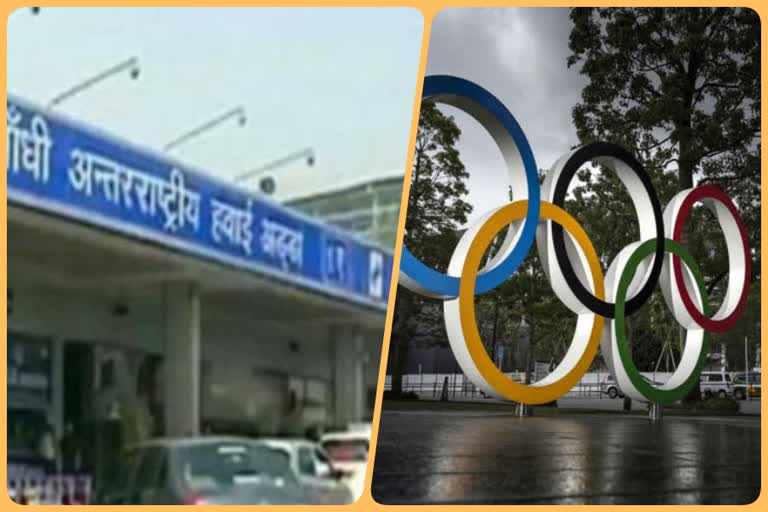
519,54
339,80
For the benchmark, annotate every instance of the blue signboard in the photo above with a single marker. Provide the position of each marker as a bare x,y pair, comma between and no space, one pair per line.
59,166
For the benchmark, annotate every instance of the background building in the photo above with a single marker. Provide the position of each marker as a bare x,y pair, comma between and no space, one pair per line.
368,208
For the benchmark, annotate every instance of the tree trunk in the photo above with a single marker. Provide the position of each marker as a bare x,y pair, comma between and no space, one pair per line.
627,406
493,332
396,367
528,365
399,340
529,359
687,162
694,395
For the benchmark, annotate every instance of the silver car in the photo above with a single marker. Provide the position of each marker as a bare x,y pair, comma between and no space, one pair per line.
314,469
213,470
611,388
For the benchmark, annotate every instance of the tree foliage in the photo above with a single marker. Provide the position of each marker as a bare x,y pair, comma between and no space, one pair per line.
680,85
680,88
436,212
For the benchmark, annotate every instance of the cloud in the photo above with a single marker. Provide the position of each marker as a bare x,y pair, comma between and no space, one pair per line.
519,54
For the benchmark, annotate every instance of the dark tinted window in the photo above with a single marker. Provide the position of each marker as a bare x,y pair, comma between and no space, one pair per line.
321,456
306,462
213,466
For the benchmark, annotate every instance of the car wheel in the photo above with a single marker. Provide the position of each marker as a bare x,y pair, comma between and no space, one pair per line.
722,393
707,394
613,392
739,394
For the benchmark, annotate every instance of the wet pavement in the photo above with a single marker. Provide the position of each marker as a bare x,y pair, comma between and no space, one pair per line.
579,458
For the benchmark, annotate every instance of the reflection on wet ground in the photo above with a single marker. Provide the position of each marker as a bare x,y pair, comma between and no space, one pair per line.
433,457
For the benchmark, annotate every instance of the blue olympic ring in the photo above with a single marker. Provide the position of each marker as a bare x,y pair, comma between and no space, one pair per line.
437,86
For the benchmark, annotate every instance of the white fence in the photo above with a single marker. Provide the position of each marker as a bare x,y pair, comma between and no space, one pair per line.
430,385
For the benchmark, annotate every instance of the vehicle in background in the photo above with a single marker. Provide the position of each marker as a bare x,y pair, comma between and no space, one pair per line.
360,427
610,388
348,451
203,471
715,383
744,387
314,469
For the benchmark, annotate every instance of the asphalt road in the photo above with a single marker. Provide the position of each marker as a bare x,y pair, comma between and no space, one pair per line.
492,457
606,404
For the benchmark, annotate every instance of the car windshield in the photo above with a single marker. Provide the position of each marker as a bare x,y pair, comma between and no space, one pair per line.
346,450
210,467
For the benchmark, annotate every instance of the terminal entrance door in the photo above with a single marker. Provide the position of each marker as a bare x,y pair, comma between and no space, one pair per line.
112,399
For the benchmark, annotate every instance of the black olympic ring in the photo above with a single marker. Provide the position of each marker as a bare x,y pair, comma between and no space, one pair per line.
581,156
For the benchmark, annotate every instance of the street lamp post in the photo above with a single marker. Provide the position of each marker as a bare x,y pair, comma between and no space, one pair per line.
267,184
237,113
746,365
131,65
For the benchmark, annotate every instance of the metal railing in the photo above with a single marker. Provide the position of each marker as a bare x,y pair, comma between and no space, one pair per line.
458,386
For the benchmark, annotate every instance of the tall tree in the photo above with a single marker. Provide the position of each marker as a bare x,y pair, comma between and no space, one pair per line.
436,212
680,87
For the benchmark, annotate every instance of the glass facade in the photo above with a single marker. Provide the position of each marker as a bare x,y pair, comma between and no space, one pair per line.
369,209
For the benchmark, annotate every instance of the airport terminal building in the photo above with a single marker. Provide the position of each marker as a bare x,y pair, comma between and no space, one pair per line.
369,207
139,287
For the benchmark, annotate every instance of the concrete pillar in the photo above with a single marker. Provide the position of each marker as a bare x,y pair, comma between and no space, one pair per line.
655,411
349,388
57,393
182,359
522,410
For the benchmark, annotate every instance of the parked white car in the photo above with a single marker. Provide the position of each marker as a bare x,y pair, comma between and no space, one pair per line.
611,388
314,469
348,451
716,383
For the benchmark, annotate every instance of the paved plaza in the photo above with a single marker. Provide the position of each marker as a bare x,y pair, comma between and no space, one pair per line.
485,456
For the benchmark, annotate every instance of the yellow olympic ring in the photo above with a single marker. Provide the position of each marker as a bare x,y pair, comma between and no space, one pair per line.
533,394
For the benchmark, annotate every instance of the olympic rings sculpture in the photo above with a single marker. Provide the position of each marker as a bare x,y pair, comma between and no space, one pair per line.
601,302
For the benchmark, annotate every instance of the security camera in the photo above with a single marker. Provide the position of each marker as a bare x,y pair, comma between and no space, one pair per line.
120,309
267,185
135,73
35,10
311,160
242,120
